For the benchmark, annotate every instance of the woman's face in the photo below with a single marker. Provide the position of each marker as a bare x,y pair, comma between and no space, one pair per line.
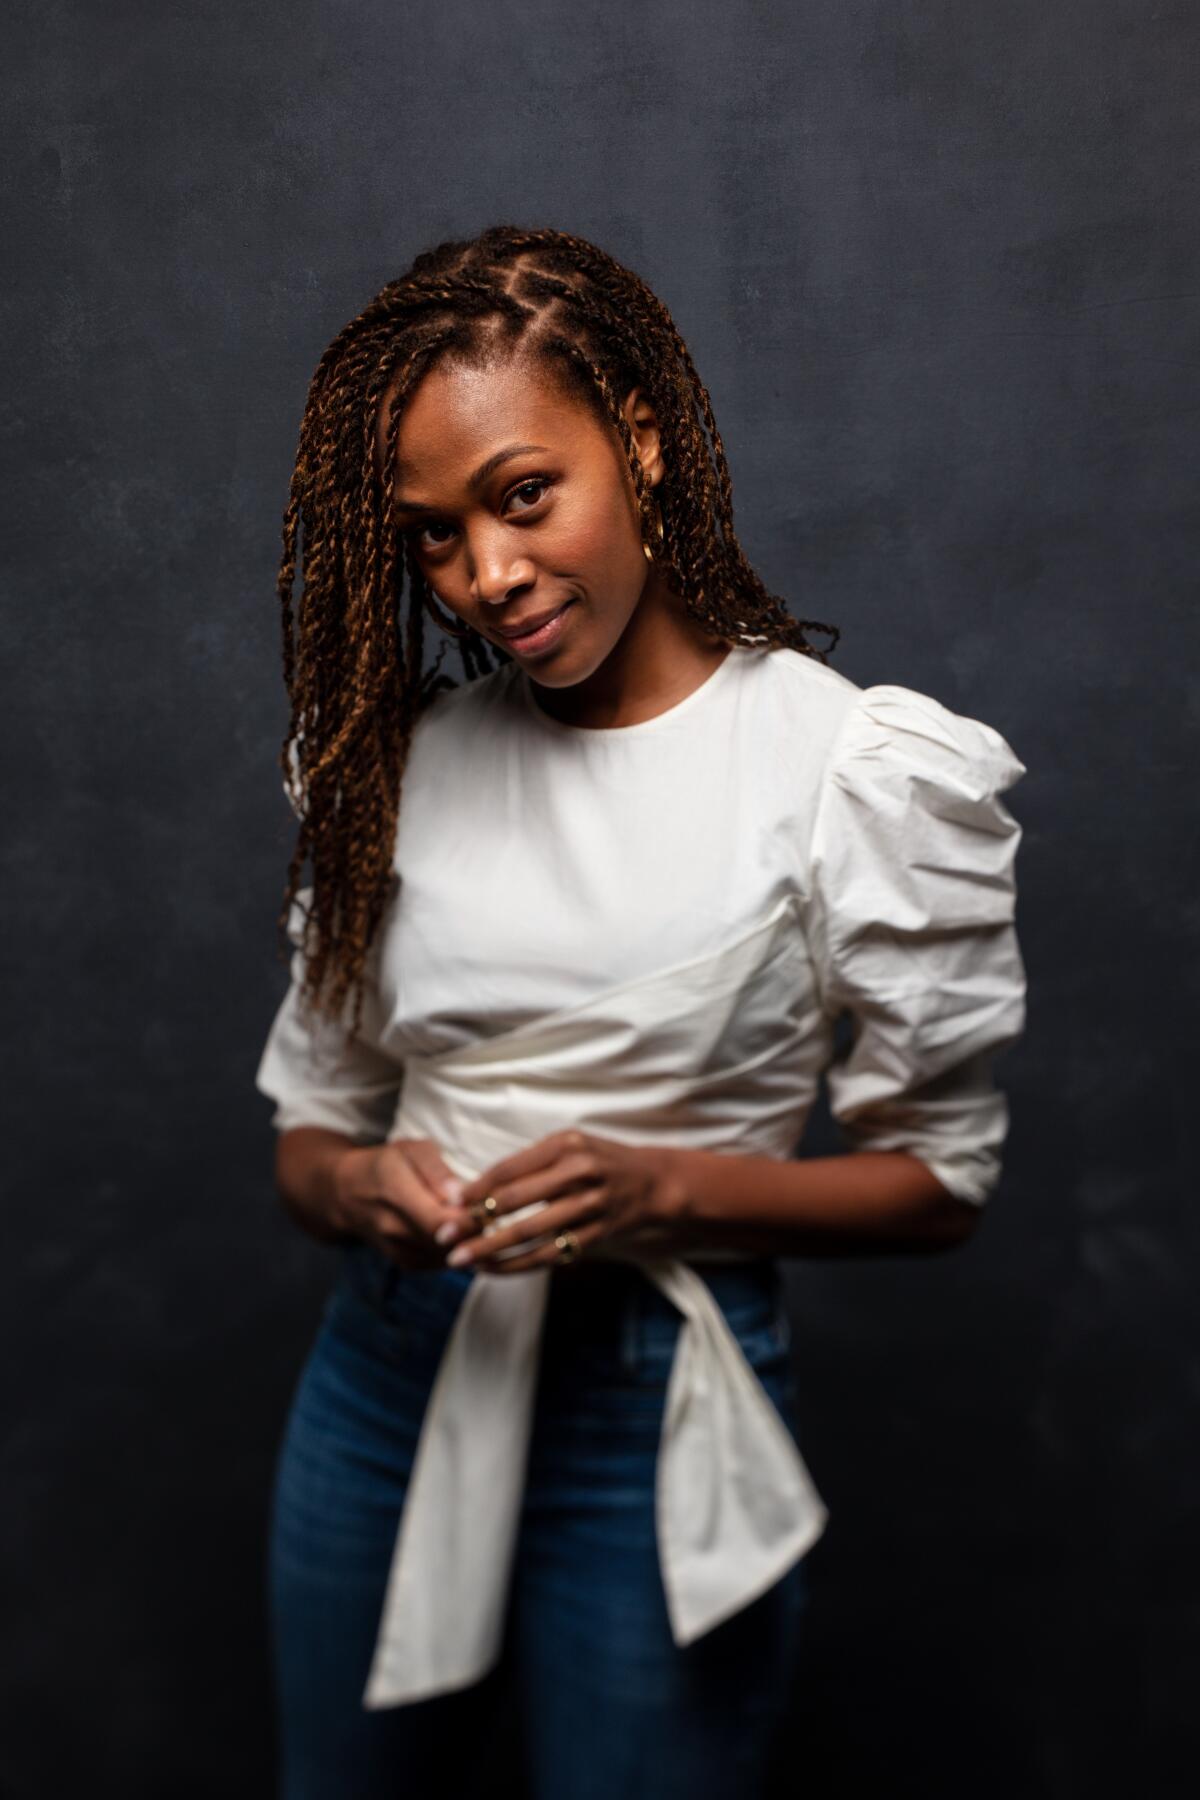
517,504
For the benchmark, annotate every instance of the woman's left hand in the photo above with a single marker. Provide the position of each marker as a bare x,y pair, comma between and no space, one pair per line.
606,1192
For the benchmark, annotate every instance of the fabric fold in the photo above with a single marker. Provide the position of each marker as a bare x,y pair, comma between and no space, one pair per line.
912,919
735,1504
651,933
447,1589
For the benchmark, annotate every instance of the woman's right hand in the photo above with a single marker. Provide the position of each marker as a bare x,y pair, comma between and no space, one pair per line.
396,1196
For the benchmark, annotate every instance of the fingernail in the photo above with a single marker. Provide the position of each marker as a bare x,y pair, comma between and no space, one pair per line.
462,1255
445,1232
453,1191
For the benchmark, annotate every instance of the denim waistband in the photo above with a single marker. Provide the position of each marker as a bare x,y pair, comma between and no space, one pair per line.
373,1277
591,1291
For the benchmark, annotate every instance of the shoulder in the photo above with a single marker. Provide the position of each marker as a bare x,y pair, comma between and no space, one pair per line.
792,709
910,822
896,737
798,697
884,732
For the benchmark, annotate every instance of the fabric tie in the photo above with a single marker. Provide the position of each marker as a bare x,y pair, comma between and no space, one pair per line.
735,1505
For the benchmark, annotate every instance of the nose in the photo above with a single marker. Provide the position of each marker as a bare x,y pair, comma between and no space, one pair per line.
500,566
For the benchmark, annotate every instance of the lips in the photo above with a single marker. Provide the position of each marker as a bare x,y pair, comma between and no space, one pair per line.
531,624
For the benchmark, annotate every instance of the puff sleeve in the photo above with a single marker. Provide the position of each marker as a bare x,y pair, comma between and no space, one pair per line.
307,1067
913,926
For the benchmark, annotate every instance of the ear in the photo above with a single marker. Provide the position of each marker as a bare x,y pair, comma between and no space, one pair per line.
643,426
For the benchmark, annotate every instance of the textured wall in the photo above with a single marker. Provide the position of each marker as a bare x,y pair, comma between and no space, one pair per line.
937,265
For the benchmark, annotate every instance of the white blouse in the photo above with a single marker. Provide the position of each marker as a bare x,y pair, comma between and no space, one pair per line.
649,931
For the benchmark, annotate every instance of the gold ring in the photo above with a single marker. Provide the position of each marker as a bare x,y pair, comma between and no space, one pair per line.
485,1209
567,1245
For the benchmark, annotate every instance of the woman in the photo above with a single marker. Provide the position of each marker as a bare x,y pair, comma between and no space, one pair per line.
554,1027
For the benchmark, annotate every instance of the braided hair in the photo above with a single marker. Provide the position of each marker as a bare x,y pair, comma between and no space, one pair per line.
353,660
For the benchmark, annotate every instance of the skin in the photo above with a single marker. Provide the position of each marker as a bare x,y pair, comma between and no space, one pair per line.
546,525
503,552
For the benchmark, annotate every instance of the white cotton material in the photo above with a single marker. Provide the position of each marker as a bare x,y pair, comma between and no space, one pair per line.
649,932
913,923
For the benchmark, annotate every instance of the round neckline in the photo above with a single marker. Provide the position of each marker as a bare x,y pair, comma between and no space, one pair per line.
622,733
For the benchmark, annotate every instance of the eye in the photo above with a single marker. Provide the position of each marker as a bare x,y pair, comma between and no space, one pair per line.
535,482
532,490
418,535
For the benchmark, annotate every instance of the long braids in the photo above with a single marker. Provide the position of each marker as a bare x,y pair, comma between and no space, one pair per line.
353,662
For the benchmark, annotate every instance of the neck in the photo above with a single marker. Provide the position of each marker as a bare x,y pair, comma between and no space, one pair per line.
661,657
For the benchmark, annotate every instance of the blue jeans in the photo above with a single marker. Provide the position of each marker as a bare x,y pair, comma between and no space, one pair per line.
596,1697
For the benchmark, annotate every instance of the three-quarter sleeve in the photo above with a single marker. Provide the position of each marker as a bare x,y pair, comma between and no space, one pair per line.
912,917
310,1070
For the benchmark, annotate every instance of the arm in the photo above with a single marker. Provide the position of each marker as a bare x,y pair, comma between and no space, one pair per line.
334,1098
912,922
668,1200
864,1203
393,1195
311,1166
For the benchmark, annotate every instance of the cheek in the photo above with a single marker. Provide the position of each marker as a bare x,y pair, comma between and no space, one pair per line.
597,535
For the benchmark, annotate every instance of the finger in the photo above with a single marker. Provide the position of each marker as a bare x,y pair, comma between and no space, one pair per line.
419,1176
524,1162
567,1174
556,1216
425,1156
406,1195
393,1230
548,1255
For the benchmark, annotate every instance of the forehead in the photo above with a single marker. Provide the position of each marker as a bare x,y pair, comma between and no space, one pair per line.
458,416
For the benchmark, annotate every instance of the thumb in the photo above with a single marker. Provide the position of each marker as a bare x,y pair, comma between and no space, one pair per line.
436,1173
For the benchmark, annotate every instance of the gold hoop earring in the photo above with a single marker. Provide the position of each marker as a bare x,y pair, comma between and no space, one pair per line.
658,518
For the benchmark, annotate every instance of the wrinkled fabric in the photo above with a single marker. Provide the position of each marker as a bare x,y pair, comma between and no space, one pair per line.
649,932
913,926
735,1503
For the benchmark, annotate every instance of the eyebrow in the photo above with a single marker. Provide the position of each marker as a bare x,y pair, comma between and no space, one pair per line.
481,474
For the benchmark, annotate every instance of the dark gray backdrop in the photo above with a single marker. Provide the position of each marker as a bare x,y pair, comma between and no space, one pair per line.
937,265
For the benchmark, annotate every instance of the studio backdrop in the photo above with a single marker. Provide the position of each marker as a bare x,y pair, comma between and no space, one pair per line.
938,269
